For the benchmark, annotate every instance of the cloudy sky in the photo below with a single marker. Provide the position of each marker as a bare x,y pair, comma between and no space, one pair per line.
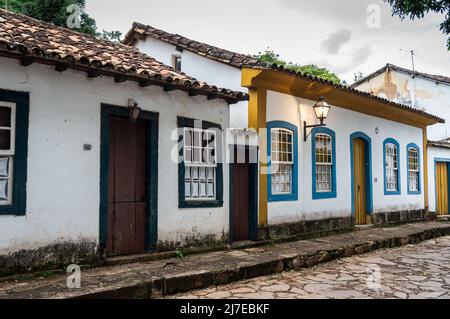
342,35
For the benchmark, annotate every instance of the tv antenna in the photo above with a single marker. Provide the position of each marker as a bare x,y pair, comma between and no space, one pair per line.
412,53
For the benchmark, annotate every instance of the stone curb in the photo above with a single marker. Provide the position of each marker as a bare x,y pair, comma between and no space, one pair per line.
167,285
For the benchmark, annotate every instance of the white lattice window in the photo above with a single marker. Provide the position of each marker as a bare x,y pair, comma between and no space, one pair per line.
282,160
7,150
413,170
391,167
324,163
200,164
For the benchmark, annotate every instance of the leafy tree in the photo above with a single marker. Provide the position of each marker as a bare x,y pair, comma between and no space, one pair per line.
417,9
55,12
270,57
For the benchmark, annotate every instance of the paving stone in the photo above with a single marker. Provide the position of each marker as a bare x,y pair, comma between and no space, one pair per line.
425,267
347,278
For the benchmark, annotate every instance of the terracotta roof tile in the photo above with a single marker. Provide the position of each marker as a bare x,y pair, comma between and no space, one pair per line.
22,36
221,55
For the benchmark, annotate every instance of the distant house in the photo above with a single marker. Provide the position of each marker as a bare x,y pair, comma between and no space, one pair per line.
425,92
91,134
368,165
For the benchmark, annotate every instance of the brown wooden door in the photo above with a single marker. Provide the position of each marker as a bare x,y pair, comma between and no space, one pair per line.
359,180
127,201
442,188
240,199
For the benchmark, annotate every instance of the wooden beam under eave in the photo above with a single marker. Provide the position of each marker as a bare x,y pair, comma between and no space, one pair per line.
194,92
169,88
144,83
120,78
93,74
26,61
61,67
257,119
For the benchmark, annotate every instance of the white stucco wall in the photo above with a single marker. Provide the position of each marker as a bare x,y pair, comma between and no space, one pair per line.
203,69
282,107
422,93
434,154
63,180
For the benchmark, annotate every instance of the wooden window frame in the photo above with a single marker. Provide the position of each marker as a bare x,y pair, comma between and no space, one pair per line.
19,148
332,193
184,202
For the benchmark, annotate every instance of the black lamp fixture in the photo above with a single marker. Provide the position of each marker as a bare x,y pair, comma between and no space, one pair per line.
135,110
321,109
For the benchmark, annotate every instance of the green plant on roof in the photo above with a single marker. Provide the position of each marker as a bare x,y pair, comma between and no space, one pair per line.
270,57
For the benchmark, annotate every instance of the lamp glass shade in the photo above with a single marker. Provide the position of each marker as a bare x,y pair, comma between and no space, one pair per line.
321,110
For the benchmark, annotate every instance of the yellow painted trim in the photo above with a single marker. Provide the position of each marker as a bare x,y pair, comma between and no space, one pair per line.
257,120
248,75
425,167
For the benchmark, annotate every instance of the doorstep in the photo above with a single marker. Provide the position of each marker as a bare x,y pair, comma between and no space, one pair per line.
153,279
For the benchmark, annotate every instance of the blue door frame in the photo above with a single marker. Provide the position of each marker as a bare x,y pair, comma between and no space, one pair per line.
368,159
152,120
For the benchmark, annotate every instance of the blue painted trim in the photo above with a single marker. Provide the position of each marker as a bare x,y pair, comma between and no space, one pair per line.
368,158
333,193
399,187
19,183
440,160
284,197
416,147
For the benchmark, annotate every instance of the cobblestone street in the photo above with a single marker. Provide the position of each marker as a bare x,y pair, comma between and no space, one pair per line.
410,272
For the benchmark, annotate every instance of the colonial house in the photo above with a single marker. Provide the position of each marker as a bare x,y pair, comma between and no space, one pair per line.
91,137
430,93
330,156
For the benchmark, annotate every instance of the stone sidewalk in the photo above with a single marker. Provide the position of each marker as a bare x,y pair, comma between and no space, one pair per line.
164,277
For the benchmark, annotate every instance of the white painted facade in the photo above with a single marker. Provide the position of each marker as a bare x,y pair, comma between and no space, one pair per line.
63,191
295,110
282,107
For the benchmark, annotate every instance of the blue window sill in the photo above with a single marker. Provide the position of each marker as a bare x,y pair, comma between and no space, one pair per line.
200,204
283,198
414,193
324,195
388,193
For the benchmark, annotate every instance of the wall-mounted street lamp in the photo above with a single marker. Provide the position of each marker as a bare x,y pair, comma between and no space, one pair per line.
321,109
135,110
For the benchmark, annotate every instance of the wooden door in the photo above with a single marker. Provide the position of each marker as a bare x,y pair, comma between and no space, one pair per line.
127,202
442,188
359,182
240,210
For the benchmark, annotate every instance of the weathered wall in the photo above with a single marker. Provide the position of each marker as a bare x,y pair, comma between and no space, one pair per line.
63,180
428,95
294,110
203,69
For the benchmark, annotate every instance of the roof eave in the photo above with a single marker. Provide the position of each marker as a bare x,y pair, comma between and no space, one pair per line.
304,86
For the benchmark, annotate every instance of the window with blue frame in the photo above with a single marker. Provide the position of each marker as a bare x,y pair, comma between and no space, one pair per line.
200,170
391,167
323,163
413,152
14,110
282,149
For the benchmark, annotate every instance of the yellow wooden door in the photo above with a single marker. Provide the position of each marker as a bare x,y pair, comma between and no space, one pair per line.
359,179
442,188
